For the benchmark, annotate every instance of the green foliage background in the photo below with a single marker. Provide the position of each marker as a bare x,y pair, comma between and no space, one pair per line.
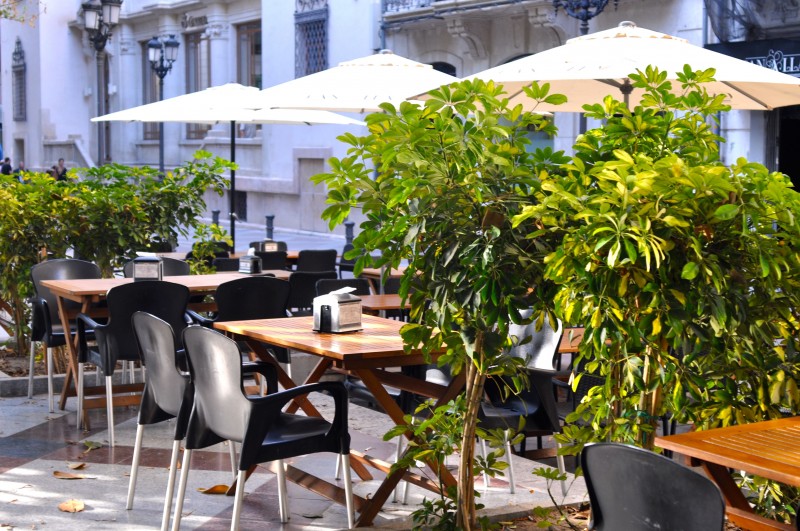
104,214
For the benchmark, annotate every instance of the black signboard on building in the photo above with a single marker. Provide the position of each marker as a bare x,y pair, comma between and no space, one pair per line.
782,55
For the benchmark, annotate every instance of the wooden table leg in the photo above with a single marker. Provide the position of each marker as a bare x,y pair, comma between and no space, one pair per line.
391,408
72,350
736,505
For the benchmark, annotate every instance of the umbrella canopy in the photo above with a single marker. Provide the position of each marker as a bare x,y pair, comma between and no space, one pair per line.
358,86
224,103
588,68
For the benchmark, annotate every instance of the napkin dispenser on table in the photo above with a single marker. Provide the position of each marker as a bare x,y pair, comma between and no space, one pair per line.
250,264
338,311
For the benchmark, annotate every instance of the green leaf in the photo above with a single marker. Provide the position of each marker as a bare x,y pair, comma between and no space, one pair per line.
726,212
690,270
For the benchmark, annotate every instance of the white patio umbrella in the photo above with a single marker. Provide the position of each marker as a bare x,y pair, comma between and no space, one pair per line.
224,103
588,68
359,85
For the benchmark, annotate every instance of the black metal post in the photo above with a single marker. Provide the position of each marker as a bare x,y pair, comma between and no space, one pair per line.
215,217
270,225
161,130
232,202
348,231
100,56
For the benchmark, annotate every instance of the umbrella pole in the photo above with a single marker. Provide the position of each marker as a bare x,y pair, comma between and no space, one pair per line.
232,199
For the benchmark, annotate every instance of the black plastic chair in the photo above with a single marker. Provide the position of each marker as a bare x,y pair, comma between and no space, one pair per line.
168,394
251,298
316,260
115,340
45,322
361,285
536,405
223,412
272,259
225,264
346,264
303,289
635,489
172,268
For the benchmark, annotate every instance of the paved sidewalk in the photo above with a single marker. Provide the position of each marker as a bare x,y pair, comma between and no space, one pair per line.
35,445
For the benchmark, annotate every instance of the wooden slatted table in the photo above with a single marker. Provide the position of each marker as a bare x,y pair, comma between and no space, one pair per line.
88,292
377,303
769,449
366,354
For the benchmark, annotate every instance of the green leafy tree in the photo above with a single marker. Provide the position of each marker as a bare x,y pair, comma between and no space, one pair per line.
684,270
439,186
105,216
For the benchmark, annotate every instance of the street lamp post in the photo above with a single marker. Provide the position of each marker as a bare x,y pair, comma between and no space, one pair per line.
583,10
162,53
99,19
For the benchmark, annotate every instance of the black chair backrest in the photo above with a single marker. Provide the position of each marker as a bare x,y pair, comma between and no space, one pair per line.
225,264
272,259
60,269
303,289
327,285
172,268
316,260
251,298
541,350
165,300
216,367
165,386
635,489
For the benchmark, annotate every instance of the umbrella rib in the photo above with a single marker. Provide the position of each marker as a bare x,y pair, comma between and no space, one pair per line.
746,94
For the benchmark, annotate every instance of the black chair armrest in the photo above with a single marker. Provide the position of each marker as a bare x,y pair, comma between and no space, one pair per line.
86,327
199,319
266,369
40,318
270,406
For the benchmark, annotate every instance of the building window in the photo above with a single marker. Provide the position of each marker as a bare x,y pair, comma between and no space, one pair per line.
18,86
248,52
445,68
311,41
198,75
149,92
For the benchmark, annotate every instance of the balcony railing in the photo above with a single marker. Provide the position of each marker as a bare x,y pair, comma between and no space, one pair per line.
397,6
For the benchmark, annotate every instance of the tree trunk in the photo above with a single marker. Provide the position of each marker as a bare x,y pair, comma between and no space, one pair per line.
475,380
649,402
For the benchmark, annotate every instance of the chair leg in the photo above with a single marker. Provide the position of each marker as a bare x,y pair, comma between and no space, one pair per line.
348,491
137,449
238,500
110,411
337,473
176,521
173,469
396,496
485,475
80,395
511,487
50,398
232,453
561,469
31,369
283,505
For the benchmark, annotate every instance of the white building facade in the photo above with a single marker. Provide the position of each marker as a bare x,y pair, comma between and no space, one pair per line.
54,82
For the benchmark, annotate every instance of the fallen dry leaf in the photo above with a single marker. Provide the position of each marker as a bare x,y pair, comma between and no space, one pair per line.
216,489
71,506
66,475
6,527
76,466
